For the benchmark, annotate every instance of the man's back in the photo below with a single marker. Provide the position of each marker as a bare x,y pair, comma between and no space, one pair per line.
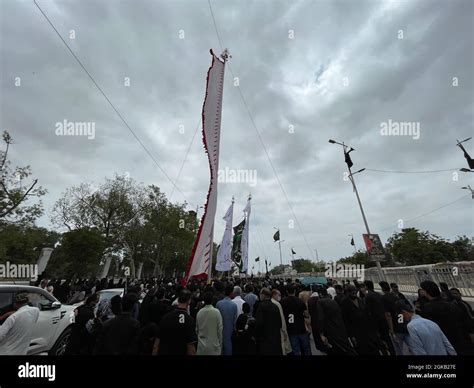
426,338
374,304
209,329
17,330
251,299
268,328
294,309
228,310
120,335
448,317
389,299
177,330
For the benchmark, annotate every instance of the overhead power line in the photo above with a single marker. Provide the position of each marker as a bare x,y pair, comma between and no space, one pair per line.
110,102
259,135
429,212
411,172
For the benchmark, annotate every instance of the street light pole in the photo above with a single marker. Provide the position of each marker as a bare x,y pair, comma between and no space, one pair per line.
351,177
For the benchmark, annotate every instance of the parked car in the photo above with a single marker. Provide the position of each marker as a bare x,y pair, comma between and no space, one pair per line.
53,328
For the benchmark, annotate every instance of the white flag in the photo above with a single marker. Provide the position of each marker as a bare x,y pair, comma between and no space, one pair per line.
224,262
245,239
199,261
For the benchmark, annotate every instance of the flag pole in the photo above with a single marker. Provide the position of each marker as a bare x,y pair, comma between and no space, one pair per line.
279,246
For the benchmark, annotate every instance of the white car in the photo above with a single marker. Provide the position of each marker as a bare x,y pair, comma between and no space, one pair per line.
110,293
53,328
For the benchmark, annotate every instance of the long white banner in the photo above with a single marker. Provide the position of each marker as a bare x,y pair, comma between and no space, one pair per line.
199,261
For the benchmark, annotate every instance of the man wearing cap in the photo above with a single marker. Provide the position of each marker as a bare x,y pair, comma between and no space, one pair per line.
17,330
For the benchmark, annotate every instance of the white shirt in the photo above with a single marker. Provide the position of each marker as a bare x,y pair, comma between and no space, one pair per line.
239,302
17,330
332,292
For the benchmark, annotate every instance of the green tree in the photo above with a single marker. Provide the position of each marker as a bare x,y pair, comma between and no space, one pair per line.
16,189
463,248
359,257
277,270
78,255
413,247
109,208
22,243
303,265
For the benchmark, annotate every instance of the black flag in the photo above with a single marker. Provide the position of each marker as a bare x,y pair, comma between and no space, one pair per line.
347,158
470,161
276,236
352,241
293,252
257,259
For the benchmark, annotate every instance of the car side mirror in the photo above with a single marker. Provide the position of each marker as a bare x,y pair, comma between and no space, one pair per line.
55,305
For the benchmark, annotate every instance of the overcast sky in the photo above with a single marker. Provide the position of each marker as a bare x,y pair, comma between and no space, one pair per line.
326,69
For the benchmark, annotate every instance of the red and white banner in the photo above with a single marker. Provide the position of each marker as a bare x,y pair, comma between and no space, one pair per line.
199,261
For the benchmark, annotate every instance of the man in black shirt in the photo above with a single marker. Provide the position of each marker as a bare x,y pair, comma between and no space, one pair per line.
119,335
177,330
268,325
447,316
360,327
375,309
394,287
339,294
330,326
294,311
397,327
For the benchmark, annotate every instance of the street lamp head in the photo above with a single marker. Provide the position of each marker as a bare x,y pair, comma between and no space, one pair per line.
464,187
332,141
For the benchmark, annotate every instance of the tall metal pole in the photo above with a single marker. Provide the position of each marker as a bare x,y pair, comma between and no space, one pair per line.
279,245
351,177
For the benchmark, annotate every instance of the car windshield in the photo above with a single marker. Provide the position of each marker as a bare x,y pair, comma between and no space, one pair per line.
108,294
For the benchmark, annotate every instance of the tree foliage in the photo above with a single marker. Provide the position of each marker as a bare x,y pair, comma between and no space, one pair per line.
413,247
17,190
78,255
22,243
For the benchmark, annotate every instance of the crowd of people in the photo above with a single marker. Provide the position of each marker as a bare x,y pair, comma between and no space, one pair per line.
262,316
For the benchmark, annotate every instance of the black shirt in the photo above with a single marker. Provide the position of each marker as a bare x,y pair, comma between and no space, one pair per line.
120,335
389,299
293,309
449,318
176,331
